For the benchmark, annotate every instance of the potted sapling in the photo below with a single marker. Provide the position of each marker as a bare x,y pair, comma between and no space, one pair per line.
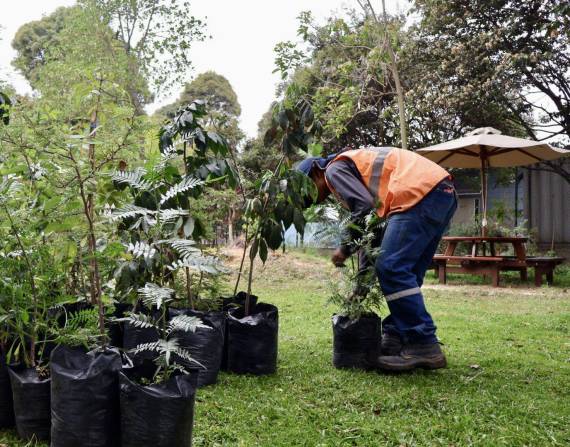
157,402
6,404
159,230
253,327
355,291
85,383
277,202
27,291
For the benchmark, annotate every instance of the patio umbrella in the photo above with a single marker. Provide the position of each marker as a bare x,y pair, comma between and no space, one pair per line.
486,148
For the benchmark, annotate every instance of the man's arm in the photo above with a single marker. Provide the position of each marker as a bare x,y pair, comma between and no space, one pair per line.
345,179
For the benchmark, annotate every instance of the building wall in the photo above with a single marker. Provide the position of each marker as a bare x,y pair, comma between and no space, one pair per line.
466,209
506,197
547,209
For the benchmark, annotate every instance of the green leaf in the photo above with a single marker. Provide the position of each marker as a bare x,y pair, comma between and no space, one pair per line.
274,237
307,117
178,225
253,249
61,226
52,203
189,227
263,250
315,149
24,316
270,136
283,120
299,221
288,216
113,250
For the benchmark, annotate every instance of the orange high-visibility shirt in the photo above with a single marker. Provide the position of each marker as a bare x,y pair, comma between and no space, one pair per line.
396,178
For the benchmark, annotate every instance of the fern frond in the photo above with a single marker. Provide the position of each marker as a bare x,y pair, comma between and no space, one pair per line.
133,178
80,328
130,211
186,184
168,154
166,348
186,355
186,323
142,249
154,295
137,320
144,223
184,247
154,346
170,214
81,318
206,264
9,187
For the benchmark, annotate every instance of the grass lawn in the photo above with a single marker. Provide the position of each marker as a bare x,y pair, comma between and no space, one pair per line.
507,384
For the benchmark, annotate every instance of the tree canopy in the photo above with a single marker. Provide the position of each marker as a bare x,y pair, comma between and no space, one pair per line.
212,88
34,40
502,63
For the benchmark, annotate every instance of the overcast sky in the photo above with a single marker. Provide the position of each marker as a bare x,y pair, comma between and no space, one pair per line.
244,35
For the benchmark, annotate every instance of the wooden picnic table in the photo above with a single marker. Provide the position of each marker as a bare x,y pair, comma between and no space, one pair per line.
480,242
483,258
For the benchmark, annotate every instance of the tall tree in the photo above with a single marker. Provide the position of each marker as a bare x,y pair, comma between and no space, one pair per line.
512,54
345,74
155,35
220,98
210,87
42,42
386,44
34,40
159,35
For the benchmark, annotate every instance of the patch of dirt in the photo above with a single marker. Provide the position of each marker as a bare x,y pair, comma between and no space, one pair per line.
280,267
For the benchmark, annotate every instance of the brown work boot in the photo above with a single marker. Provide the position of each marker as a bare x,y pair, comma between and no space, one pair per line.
414,356
391,344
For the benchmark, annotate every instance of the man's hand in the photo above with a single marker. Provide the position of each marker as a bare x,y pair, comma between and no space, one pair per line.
338,258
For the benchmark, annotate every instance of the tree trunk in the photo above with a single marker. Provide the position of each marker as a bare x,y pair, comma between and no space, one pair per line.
231,227
393,69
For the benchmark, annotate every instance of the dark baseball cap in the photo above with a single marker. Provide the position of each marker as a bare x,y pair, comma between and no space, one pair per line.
307,164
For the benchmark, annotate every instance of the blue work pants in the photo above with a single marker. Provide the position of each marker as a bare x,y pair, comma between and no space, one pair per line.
410,241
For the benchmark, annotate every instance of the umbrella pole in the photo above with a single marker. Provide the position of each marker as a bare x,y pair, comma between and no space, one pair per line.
484,193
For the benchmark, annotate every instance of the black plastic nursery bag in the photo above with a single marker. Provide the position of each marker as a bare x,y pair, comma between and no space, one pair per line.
356,343
231,302
31,395
85,398
158,415
6,407
116,330
205,345
252,340
228,303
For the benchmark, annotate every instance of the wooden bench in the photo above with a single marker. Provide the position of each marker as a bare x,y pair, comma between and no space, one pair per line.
543,266
478,265
493,265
